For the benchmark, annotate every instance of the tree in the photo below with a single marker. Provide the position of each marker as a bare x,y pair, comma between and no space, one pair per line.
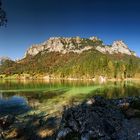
123,71
3,19
111,69
116,71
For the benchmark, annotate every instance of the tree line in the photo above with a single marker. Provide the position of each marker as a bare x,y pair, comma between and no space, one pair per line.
88,64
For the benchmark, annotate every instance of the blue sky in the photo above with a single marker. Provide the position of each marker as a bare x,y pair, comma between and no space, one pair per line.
34,21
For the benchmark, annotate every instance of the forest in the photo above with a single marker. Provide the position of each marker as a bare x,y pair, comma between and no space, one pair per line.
88,64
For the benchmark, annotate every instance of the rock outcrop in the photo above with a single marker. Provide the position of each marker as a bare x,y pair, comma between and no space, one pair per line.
78,45
117,47
59,44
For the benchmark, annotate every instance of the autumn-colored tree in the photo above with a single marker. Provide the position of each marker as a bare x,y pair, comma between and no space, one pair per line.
123,71
111,69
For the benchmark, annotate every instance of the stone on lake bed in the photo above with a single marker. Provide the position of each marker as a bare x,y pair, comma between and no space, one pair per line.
43,133
15,133
64,134
6,121
91,101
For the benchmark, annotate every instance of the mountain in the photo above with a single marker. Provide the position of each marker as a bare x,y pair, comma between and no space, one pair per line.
78,45
3,59
75,57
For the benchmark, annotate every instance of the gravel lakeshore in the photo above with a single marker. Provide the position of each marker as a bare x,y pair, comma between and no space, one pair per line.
102,119
95,119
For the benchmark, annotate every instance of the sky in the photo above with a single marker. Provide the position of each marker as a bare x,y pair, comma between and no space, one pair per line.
35,21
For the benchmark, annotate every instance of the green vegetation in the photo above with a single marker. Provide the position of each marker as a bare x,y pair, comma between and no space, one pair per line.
88,64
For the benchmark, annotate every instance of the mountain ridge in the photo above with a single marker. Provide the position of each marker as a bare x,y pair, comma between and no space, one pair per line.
78,45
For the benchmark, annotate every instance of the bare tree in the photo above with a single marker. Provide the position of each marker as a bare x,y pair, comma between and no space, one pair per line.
3,19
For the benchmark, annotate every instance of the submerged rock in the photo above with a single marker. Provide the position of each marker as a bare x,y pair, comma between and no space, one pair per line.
13,133
99,119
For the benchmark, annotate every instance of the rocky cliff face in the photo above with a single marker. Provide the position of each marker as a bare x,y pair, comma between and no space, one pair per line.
59,44
115,48
78,45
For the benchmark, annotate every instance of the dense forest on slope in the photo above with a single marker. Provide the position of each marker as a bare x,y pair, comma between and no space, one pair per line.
88,64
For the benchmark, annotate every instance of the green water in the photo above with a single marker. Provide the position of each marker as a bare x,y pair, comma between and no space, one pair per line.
22,97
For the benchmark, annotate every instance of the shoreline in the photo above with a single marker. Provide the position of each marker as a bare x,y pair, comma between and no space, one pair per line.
100,79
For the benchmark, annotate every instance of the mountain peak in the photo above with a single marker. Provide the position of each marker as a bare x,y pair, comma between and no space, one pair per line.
94,38
119,43
121,47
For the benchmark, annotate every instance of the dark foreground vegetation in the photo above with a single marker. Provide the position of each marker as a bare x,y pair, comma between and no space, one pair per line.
94,119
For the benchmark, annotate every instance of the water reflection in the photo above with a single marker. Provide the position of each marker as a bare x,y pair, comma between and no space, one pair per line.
14,105
120,89
40,96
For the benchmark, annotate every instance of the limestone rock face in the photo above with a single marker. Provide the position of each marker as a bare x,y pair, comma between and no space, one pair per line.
115,48
120,47
94,38
59,44
35,49
78,45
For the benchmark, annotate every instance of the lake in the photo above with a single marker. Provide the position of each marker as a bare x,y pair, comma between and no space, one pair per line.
50,97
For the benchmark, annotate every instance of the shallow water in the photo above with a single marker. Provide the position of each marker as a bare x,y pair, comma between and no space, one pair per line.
25,97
